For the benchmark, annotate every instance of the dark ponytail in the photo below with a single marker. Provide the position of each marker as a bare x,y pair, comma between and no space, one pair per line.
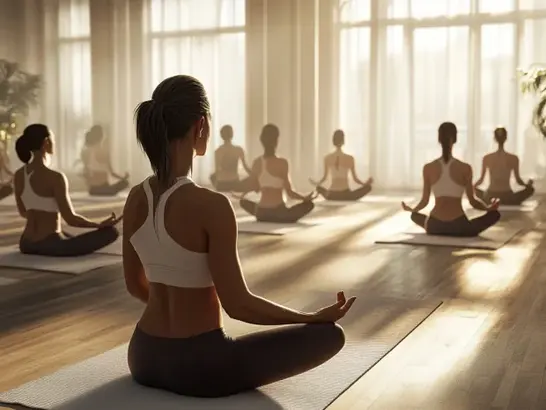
31,141
447,136
176,104
269,138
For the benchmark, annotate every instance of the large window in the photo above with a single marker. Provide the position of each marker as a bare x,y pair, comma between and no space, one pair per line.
206,39
74,79
407,65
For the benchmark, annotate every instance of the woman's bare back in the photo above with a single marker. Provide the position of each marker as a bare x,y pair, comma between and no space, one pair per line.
447,208
278,168
500,166
170,311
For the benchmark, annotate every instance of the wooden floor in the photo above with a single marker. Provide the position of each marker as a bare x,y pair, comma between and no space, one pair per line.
484,348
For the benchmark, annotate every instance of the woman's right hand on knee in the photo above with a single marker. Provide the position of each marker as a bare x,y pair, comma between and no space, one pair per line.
334,312
110,221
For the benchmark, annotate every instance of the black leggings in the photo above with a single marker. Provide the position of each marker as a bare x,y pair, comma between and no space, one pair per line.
235,185
279,214
215,365
5,191
461,226
346,195
109,190
506,198
60,244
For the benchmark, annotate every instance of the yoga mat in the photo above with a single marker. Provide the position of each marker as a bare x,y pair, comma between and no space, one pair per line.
84,196
10,257
270,228
103,382
492,239
371,199
527,206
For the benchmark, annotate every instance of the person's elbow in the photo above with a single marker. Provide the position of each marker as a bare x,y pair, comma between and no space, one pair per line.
238,306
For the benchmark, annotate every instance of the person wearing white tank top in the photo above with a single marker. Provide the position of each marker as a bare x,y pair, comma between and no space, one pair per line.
449,179
42,196
97,166
501,165
180,259
338,165
270,176
226,162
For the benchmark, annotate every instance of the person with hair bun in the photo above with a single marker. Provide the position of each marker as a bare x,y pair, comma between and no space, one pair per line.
501,165
448,179
270,176
338,165
97,165
180,259
42,195
226,162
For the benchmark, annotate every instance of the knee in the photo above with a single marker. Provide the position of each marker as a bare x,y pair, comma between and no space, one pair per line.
495,216
415,217
531,190
309,206
332,336
111,232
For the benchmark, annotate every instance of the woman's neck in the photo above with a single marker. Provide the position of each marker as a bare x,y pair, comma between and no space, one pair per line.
38,161
339,150
501,148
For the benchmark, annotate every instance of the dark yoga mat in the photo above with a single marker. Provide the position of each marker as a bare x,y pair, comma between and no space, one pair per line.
373,329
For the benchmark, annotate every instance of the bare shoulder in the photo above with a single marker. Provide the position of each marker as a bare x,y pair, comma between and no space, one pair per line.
57,177
463,167
211,202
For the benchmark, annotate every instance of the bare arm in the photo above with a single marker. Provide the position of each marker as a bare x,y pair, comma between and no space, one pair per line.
223,259
482,175
425,196
353,173
517,174
62,196
135,280
288,184
469,187
18,190
243,161
325,174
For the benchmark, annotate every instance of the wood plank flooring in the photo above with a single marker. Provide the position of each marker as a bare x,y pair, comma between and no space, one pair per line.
483,349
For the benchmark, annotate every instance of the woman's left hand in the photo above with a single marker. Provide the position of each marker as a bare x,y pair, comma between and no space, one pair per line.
311,196
406,208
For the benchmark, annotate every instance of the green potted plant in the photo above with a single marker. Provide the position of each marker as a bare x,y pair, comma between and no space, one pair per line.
19,92
533,80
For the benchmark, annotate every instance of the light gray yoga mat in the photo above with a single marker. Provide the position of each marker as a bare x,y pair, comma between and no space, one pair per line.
10,257
268,228
103,382
492,239
370,199
527,206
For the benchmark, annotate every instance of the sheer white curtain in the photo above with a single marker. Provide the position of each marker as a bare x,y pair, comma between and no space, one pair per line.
74,114
206,39
435,61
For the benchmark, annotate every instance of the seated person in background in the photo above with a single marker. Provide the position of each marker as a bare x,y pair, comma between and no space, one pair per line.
271,177
448,178
97,165
42,193
180,259
226,162
500,165
6,179
338,164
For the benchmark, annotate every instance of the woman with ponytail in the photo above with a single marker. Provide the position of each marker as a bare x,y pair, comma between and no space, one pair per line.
42,196
180,259
339,164
501,165
270,176
448,179
97,166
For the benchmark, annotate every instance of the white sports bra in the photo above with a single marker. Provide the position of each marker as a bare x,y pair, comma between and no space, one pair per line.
164,260
266,180
35,202
445,186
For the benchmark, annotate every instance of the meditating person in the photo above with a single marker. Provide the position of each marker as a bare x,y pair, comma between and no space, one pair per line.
501,165
6,174
338,165
270,176
226,161
448,178
97,166
180,259
42,194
